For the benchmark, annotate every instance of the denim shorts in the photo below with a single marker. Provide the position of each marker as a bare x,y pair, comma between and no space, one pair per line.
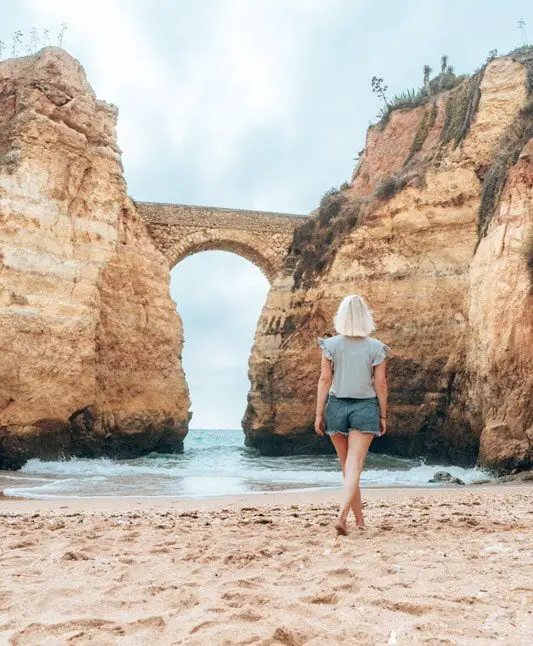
345,414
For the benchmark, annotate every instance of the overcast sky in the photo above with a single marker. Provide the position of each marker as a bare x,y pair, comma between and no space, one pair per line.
259,104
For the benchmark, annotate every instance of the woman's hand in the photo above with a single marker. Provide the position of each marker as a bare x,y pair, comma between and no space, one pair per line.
319,425
382,426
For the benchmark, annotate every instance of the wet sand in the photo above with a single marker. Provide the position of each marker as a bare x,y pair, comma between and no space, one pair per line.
434,566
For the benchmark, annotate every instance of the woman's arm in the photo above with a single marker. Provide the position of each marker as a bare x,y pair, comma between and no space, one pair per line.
324,384
380,386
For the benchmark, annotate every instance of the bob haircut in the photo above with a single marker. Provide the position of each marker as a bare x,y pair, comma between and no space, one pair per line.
354,317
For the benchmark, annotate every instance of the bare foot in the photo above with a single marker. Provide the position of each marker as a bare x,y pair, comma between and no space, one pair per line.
360,525
340,526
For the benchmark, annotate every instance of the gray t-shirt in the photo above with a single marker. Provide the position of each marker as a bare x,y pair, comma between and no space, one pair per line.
353,359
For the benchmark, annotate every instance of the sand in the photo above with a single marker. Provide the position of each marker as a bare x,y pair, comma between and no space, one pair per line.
434,566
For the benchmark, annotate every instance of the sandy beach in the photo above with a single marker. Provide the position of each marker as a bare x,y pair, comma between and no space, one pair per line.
433,566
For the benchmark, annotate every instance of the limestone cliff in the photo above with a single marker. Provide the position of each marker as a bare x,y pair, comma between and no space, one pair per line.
449,286
89,338
497,397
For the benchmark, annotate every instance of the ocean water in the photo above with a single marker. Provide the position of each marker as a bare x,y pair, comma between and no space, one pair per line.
213,463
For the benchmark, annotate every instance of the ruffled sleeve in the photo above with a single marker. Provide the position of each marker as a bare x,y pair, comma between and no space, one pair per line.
323,343
381,354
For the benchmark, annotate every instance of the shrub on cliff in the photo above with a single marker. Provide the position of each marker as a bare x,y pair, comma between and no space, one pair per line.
406,100
525,55
316,242
522,54
529,259
330,205
26,45
413,175
426,124
387,188
462,106
508,151
461,109
445,80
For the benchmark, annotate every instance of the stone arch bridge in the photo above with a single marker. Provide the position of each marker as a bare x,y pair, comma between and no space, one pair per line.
179,231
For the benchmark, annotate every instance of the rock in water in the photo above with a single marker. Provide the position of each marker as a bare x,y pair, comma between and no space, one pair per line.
444,476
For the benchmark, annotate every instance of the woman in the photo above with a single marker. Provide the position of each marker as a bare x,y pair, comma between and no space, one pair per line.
352,397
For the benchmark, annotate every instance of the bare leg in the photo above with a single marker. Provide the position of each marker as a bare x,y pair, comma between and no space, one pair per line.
340,442
358,444
358,509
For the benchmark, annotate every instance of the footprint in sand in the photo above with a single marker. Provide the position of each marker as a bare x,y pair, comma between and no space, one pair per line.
401,606
341,572
247,615
126,560
240,558
94,630
290,637
158,589
20,545
217,609
327,599
237,599
253,639
75,556
345,587
252,582
201,626
155,622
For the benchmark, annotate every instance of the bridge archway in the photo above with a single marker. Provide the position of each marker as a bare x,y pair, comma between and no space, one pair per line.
242,243
261,237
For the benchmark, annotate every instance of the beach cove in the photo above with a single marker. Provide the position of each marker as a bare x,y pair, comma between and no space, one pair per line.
121,524
434,566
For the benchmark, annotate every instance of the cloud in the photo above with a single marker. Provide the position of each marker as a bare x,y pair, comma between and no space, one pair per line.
190,106
107,36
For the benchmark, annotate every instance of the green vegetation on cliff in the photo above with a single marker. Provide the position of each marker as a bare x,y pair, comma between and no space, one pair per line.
529,257
442,82
426,123
461,109
21,44
316,242
510,145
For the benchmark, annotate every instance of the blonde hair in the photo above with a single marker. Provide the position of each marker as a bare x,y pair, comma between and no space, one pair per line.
354,317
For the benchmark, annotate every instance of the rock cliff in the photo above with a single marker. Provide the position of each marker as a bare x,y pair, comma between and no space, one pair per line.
432,230
89,338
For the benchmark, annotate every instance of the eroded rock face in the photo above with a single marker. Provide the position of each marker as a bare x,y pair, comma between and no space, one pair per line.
457,319
499,339
89,337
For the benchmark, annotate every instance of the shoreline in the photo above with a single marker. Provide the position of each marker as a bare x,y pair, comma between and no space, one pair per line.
327,496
